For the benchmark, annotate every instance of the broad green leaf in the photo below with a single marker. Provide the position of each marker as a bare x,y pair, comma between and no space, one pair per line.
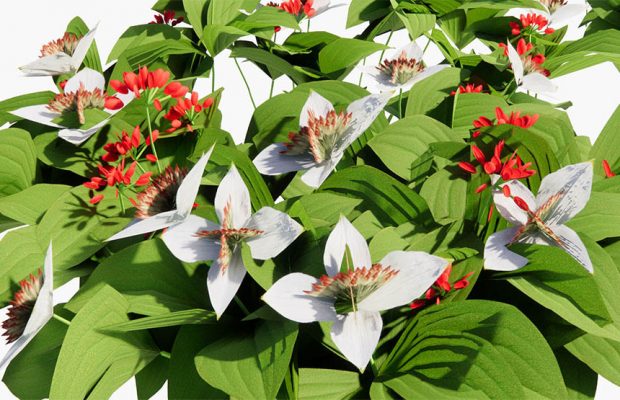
606,144
249,366
152,377
599,219
404,141
185,317
581,381
265,273
427,95
501,4
87,355
140,35
470,107
475,348
196,13
417,24
223,12
446,196
366,10
343,53
390,201
268,17
29,205
20,101
21,255
318,209
152,280
218,37
18,161
275,65
146,54
333,384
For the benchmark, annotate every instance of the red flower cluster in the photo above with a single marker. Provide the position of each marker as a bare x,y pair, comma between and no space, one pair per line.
185,110
469,88
294,7
144,80
167,18
440,289
515,118
531,23
531,63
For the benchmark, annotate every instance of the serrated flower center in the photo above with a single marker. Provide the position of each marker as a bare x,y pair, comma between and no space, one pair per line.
402,69
349,288
553,5
21,307
65,44
160,195
78,101
320,137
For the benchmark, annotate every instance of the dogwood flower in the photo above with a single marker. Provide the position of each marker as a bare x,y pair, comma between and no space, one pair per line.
169,212
527,69
402,69
267,233
86,89
352,299
61,56
560,12
30,309
322,139
540,219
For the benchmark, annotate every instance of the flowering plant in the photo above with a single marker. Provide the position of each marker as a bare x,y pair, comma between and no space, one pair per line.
390,227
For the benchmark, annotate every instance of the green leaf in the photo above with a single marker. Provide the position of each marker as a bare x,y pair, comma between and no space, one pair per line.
196,13
29,205
265,273
185,317
87,355
268,17
18,161
223,12
140,35
404,141
606,144
333,384
361,11
249,366
183,380
152,378
426,95
152,280
417,24
390,201
599,219
146,54
446,196
20,101
275,65
218,37
470,107
580,380
475,348
316,210
343,53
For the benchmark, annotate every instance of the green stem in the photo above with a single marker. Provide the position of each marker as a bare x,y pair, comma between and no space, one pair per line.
120,197
373,366
247,86
242,306
61,319
400,103
164,354
386,43
308,26
148,120
273,81
213,76
426,46
359,82
507,86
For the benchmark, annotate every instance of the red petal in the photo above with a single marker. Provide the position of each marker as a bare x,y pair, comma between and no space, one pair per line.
96,199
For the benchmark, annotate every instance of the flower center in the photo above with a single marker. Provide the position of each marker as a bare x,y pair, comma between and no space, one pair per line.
21,307
349,288
534,64
402,69
553,5
536,223
160,195
78,101
65,44
320,136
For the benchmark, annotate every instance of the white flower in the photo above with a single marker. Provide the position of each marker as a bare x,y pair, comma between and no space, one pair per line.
558,12
62,56
540,220
32,308
353,299
527,70
184,201
85,87
402,69
323,137
267,233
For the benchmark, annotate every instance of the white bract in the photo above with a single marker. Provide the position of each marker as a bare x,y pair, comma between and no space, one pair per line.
528,74
267,233
323,137
87,79
402,69
60,62
185,197
561,196
42,311
353,299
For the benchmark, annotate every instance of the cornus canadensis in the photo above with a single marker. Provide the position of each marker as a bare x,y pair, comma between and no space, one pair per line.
402,69
61,56
184,202
267,232
540,219
527,69
323,137
514,118
31,308
352,297
531,23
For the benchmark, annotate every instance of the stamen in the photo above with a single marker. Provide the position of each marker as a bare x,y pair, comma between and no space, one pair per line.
21,307
65,44
400,70
160,195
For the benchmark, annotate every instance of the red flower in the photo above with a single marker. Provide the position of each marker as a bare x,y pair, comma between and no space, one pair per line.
515,169
141,81
515,118
521,203
96,199
532,23
469,88
166,18
151,158
186,109
440,289
175,89
144,179
608,172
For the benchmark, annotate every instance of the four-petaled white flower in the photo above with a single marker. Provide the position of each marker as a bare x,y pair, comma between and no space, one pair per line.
402,69
31,309
267,233
540,219
86,89
61,56
323,137
527,70
184,202
353,299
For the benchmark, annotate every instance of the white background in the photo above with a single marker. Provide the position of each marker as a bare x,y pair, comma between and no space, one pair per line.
28,24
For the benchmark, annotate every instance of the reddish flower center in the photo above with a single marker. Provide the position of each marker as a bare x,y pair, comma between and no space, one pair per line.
79,101
160,195
65,44
402,69
21,307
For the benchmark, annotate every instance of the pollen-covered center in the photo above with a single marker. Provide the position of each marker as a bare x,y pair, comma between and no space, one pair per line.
402,69
320,136
351,287
78,101
553,5
21,307
65,44
160,195
536,223
534,64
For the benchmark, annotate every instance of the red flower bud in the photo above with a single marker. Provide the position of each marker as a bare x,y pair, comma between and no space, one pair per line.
96,199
